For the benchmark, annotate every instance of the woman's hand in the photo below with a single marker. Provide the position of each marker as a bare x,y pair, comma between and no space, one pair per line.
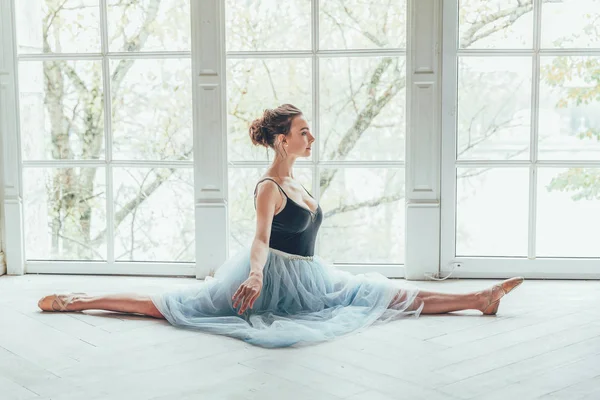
248,292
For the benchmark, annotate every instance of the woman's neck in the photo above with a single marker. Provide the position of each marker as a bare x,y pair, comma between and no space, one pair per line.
282,168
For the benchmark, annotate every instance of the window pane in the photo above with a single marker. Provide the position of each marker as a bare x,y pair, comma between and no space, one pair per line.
65,213
360,24
154,214
571,24
495,24
267,25
363,103
148,25
568,213
569,121
152,109
57,26
494,108
253,86
242,215
492,211
365,207
61,110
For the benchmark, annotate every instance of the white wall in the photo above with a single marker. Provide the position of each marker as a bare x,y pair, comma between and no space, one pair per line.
423,140
2,259
11,203
2,219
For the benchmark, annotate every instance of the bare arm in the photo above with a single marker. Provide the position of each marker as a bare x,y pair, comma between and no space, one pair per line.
267,198
249,291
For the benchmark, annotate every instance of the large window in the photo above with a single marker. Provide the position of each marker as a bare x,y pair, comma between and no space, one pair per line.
344,64
524,143
106,129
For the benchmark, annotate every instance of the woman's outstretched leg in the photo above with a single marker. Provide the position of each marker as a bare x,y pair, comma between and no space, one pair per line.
438,303
486,301
126,303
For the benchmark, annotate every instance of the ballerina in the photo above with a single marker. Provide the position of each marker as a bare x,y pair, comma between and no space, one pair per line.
277,292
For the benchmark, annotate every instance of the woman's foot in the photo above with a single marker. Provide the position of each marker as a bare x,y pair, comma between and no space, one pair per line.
491,297
59,302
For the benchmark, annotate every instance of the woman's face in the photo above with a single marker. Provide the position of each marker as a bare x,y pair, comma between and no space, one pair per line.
300,139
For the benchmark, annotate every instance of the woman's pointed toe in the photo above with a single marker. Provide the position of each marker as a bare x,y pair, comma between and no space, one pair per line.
498,291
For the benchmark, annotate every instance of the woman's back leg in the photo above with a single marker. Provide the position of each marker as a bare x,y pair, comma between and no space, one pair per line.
122,302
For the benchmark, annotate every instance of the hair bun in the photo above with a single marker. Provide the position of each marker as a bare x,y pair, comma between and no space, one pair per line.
257,132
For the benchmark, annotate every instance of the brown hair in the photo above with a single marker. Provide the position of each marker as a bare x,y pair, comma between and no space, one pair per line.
264,130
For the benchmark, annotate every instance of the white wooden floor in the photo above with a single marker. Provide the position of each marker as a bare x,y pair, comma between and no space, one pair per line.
545,342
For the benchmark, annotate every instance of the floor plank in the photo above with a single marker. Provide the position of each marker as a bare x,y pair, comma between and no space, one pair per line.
544,343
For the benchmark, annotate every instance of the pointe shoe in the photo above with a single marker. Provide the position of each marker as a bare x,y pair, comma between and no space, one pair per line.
61,301
505,287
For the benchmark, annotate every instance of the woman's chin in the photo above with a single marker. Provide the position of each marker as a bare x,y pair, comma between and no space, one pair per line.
305,153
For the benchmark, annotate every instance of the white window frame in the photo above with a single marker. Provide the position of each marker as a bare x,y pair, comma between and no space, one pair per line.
210,155
498,267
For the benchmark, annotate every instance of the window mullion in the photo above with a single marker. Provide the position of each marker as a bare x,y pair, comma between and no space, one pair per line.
60,56
152,55
449,106
102,163
315,105
535,111
110,212
249,55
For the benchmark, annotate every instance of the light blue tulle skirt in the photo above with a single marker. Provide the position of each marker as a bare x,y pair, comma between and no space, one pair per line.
303,300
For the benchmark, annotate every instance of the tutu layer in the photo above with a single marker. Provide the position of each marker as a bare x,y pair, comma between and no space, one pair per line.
303,300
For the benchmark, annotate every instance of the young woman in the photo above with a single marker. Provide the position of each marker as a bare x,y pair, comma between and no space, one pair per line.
278,292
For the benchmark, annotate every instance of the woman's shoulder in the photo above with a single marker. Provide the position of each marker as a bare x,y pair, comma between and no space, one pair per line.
275,178
267,181
275,181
